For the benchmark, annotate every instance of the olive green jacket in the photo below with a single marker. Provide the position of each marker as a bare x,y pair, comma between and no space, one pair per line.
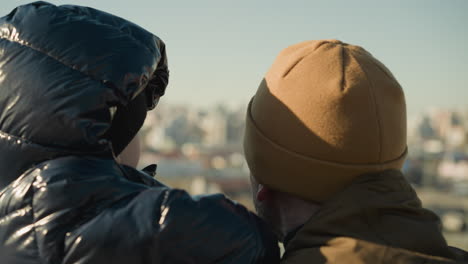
377,219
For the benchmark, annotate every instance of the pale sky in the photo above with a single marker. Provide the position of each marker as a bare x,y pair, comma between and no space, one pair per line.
219,50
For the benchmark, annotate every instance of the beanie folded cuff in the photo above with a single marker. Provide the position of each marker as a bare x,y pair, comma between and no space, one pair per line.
308,177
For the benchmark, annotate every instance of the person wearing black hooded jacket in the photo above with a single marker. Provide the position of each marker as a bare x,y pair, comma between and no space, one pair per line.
75,85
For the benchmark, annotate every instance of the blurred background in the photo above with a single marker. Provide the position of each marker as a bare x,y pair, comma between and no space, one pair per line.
218,51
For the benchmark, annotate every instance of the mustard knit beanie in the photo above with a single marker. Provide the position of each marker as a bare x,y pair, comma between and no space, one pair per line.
325,113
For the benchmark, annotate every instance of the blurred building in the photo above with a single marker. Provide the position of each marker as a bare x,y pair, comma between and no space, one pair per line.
200,150
438,147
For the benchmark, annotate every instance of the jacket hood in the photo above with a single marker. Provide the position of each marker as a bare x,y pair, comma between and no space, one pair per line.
377,219
63,72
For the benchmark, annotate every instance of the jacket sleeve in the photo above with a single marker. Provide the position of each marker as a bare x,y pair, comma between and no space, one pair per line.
211,229
163,225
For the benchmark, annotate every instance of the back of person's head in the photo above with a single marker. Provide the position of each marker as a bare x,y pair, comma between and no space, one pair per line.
74,81
325,113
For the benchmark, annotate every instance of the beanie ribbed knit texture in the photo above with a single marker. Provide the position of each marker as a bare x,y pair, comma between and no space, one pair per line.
325,113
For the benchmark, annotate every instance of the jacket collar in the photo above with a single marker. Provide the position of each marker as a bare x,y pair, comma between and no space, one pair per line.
381,209
291,235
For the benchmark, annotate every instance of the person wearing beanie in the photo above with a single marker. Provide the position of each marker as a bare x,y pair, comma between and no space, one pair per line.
325,140
75,86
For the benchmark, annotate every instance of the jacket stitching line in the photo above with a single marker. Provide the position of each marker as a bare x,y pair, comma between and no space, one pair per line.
43,52
94,18
126,34
58,149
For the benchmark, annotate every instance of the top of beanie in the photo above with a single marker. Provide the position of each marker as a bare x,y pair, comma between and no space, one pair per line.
325,113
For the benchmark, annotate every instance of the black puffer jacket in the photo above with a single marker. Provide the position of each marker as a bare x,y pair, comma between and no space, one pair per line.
63,198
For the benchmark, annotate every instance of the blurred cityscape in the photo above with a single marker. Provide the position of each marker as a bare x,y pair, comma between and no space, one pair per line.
200,150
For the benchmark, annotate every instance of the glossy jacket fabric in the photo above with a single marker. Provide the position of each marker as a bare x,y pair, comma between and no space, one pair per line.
63,198
377,219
